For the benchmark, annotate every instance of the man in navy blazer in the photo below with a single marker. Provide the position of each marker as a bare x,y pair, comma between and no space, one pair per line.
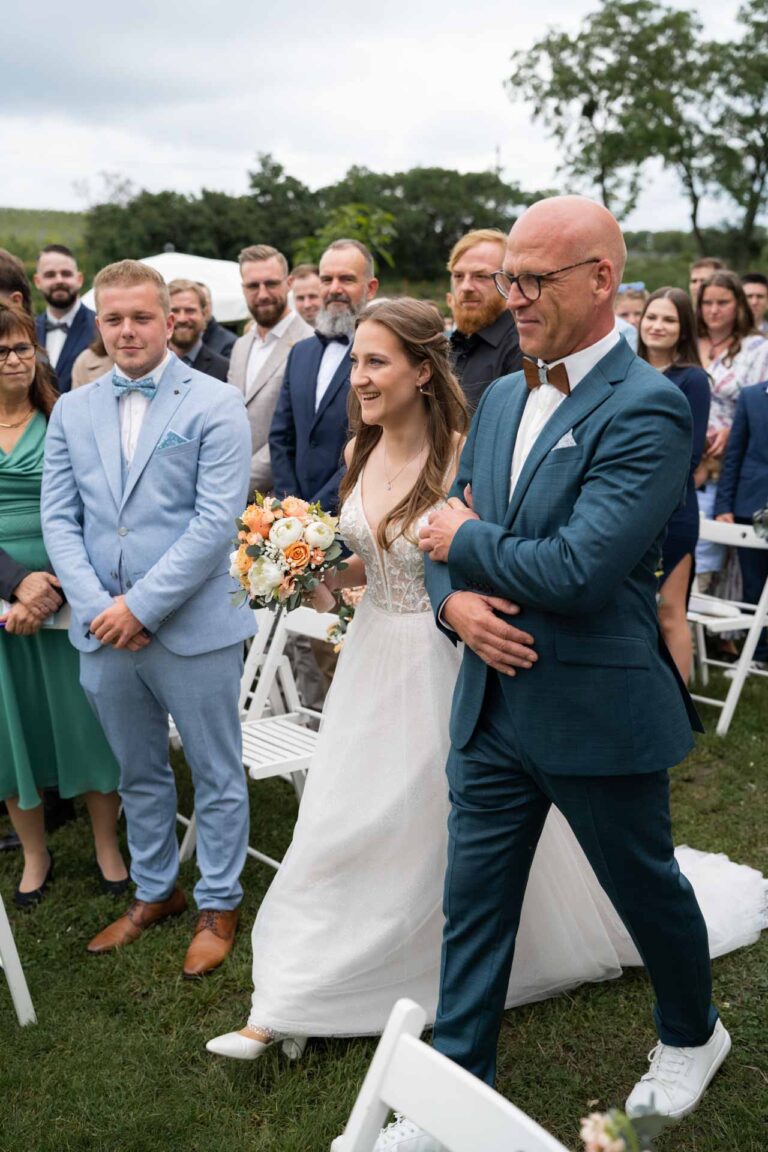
310,425
743,489
569,475
67,327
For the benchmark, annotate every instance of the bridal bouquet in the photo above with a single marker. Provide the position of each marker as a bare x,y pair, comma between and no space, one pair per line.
614,1131
283,549
350,598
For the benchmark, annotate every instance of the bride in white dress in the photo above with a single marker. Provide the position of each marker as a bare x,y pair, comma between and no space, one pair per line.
353,919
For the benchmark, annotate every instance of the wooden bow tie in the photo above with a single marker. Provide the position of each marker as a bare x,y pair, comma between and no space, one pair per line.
557,376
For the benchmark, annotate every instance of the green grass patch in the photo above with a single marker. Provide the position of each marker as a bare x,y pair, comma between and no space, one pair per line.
117,1062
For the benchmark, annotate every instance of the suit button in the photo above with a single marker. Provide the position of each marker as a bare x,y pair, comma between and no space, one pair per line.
129,583
113,575
122,531
312,442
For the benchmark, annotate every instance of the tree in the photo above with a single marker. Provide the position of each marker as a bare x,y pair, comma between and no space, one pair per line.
284,208
371,226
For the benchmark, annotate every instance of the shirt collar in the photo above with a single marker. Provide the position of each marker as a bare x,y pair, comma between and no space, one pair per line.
580,364
67,318
277,330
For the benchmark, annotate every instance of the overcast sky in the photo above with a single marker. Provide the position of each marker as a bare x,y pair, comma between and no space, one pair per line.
183,95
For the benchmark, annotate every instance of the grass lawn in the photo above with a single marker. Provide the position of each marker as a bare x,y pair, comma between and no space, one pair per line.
117,1062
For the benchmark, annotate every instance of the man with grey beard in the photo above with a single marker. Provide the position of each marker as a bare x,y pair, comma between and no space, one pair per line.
309,428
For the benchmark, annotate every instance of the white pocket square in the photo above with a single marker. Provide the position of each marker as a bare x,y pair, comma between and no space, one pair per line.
566,441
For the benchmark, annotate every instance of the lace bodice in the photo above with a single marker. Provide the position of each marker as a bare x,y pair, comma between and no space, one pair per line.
395,577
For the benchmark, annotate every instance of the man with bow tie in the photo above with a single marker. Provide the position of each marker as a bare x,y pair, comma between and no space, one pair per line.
146,470
66,327
544,565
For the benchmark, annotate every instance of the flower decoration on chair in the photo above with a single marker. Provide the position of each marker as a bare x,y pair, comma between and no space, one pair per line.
614,1131
283,549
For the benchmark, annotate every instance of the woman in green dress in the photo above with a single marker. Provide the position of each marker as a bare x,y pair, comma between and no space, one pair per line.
49,737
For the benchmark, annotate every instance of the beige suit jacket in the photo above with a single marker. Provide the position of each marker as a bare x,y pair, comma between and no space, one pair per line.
261,397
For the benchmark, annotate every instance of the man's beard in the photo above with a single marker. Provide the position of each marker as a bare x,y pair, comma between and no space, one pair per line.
61,298
268,314
339,323
481,315
184,337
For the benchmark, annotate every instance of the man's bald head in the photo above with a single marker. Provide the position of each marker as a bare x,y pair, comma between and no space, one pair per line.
575,308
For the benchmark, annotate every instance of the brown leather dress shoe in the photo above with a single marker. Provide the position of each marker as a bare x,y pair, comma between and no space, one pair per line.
139,916
212,942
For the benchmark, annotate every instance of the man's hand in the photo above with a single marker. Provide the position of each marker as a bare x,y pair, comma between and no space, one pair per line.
437,534
498,644
22,621
39,593
118,626
726,518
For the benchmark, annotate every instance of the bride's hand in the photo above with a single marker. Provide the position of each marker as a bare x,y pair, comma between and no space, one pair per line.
321,598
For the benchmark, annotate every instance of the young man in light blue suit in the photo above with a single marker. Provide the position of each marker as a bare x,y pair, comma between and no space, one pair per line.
145,472
568,478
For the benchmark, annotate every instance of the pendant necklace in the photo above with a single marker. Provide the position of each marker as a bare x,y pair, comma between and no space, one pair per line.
389,481
18,423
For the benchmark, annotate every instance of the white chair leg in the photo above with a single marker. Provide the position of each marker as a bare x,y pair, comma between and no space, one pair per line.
701,653
17,983
188,843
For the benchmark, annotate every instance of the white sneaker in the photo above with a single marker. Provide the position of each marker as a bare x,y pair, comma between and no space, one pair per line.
404,1136
678,1077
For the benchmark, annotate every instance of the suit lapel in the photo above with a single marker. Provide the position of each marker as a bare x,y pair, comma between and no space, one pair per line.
586,396
339,377
105,418
174,385
266,370
504,445
308,397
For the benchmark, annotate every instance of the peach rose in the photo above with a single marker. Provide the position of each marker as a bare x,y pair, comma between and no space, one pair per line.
318,556
292,506
287,587
258,521
298,555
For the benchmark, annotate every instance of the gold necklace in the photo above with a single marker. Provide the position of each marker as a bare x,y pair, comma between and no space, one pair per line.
389,481
18,423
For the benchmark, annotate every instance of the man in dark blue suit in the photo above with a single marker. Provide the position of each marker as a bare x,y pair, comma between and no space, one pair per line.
743,490
310,426
67,327
570,473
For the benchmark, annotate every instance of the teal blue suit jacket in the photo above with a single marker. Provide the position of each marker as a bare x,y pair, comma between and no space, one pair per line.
577,548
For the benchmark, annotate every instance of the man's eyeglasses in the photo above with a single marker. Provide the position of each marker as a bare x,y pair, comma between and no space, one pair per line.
23,351
529,284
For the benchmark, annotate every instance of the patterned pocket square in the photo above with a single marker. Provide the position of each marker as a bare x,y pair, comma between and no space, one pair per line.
171,440
566,441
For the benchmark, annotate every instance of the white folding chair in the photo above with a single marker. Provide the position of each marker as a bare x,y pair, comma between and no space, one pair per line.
14,973
279,744
459,1111
715,615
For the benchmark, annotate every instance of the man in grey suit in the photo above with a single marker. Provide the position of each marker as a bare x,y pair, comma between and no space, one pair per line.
145,470
258,358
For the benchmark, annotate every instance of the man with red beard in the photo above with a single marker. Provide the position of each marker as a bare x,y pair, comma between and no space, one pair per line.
484,340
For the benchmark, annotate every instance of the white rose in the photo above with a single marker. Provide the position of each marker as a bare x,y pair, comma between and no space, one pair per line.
234,567
264,576
286,531
319,535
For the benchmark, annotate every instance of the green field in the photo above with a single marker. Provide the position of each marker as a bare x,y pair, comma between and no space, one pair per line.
117,1062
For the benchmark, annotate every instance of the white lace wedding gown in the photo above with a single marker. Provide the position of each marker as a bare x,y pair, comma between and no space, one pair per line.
353,919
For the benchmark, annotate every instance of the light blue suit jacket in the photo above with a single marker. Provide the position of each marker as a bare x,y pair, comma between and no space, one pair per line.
164,536
578,547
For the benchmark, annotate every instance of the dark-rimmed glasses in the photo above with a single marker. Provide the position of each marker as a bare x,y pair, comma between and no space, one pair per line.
529,283
23,351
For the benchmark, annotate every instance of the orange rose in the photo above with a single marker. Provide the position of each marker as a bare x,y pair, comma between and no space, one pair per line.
258,521
298,555
318,556
292,506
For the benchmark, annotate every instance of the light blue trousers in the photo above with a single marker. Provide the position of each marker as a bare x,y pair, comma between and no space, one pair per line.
132,694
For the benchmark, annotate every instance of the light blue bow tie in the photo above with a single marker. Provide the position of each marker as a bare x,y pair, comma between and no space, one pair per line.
123,385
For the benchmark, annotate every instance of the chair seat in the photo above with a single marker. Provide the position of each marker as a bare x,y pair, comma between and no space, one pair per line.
277,746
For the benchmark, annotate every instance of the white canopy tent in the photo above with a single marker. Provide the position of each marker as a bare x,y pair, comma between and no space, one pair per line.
221,276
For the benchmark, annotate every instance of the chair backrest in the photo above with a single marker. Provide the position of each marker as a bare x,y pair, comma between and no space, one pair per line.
306,622
300,622
458,1110
731,535
265,623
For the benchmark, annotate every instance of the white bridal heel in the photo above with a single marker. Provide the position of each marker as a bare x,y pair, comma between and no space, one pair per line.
235,1046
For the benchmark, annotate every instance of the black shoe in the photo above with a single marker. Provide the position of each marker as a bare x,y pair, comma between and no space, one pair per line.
113,887
26,900
9,842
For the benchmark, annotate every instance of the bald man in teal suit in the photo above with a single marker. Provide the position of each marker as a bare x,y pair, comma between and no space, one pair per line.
544,564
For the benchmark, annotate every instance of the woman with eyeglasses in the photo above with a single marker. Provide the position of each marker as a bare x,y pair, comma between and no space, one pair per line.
49,737
667,340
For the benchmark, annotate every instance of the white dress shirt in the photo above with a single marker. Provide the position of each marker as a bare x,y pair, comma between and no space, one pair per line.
133,408
261,348
546,399
333,354
54,341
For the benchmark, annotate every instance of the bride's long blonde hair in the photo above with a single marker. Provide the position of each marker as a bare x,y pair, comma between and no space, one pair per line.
420,331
